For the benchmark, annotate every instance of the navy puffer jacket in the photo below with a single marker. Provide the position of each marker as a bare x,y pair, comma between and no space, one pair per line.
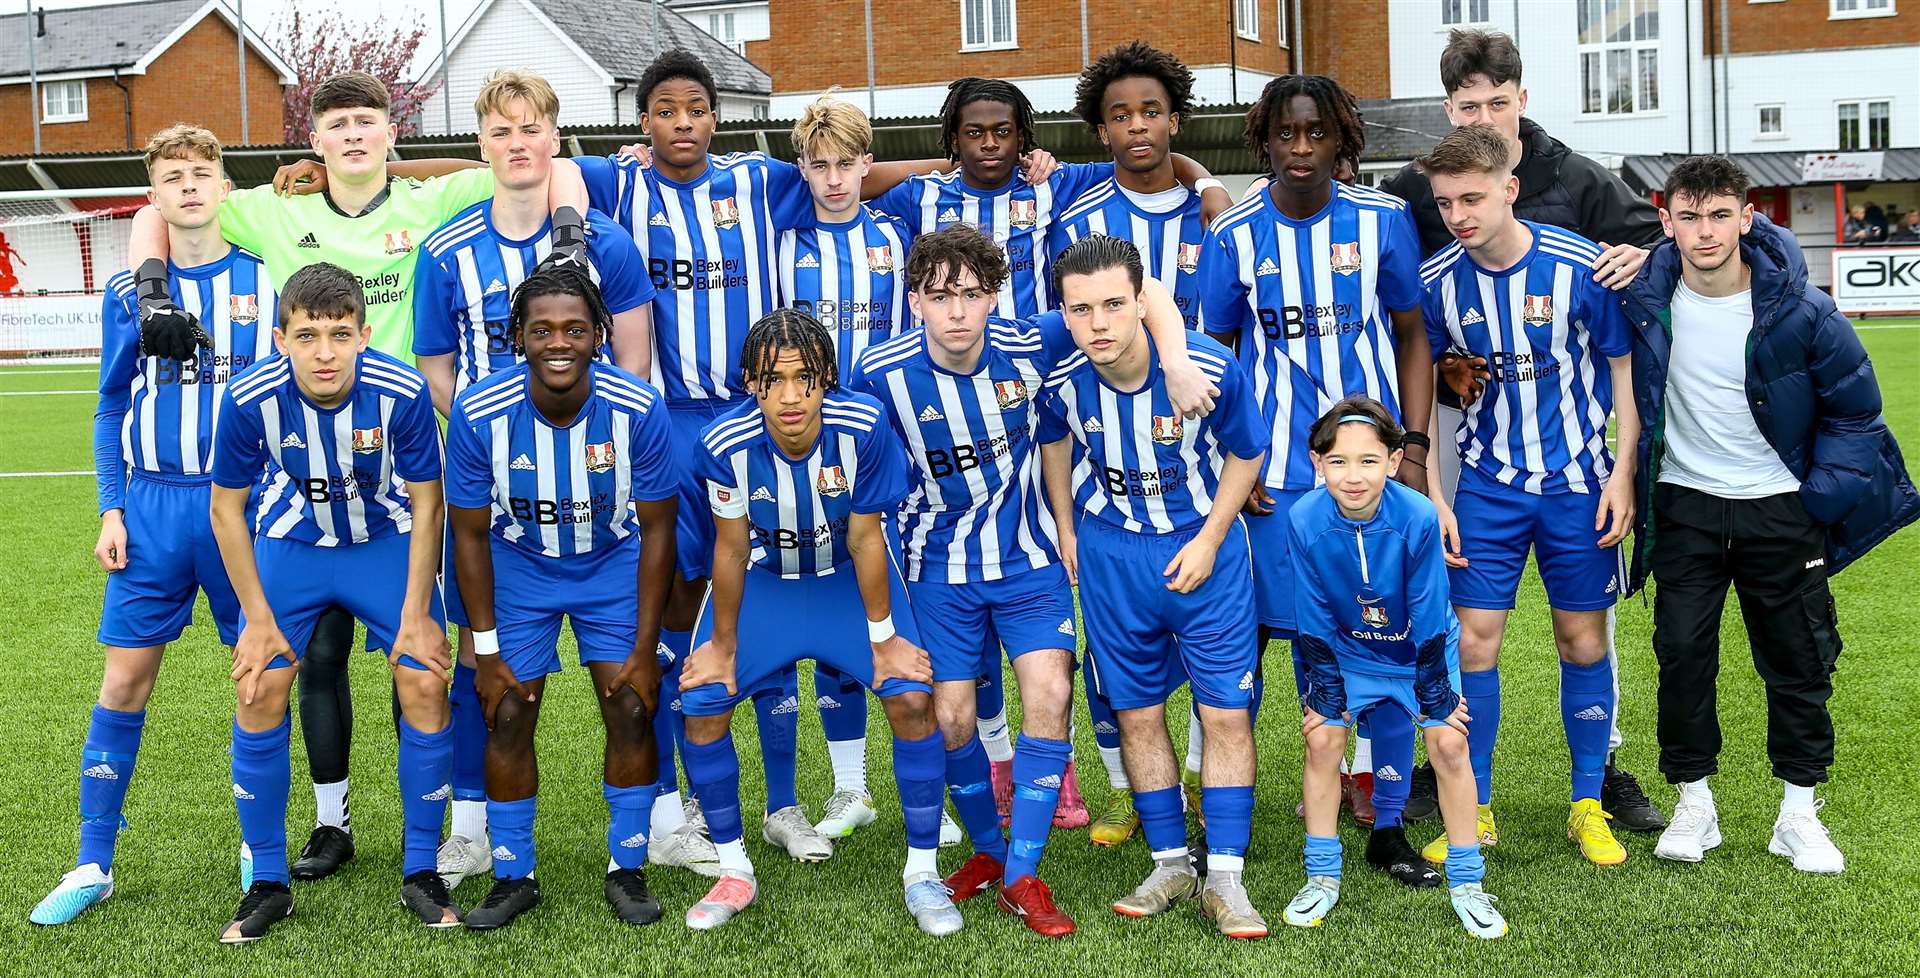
1809,384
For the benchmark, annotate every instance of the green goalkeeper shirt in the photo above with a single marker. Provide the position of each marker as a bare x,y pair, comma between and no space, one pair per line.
291,233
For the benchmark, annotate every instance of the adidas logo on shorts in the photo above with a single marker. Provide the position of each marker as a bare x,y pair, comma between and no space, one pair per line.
503,854
1050,781
1246,681
522,464
827,703
1105,728
241,794
292,441
664,654
1387,774
1066,626
789,705
104,772
1593,712
932,414
1472,318
441,793
636,841
761,495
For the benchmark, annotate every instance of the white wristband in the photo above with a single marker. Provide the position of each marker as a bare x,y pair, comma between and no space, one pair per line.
486,642
880,631
1209,183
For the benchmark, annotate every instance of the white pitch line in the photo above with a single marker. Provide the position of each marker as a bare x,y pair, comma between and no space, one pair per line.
5,372
41,393
39,475
1858,326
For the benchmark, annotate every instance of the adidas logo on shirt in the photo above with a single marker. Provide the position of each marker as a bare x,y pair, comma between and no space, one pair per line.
1050,781
1387,774
931,414
503,854
761,495
1092,426
292,441
308,241
789,705
1593,712
1267,267
636,841
1246,681
658,220
949,216
522,463
1066,626
1472,318
441,793
494,287
241,794
104,772
807,261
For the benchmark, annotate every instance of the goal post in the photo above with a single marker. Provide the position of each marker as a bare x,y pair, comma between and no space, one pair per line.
57,251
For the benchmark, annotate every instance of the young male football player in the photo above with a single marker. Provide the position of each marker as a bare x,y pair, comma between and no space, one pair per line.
978,541
1535,470
799,480
561,483
1162,546
464,283
1375,630
156,417
1317,284
350,517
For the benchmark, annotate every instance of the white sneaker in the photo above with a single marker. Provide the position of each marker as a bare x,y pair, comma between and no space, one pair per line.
1799,836
789,829
695,817
460,857
79,889
685,848
846,811
1695,829
950,834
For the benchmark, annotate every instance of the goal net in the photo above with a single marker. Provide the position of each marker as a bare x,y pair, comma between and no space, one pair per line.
56,255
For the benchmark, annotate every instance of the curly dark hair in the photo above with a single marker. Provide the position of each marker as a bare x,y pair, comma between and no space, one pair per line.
553,279
966,91
1135,59
789,329
941,255
1337,108
676,63
1700,177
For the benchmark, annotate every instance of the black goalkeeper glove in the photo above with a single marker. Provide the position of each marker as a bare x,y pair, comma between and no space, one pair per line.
569,241
166,330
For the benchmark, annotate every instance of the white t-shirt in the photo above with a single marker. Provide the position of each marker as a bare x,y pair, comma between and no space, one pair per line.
1157,203
1713,444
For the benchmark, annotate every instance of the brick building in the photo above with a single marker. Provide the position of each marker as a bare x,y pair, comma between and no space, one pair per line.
109,76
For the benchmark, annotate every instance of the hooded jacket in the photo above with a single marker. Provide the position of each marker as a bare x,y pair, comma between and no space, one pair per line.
1809,384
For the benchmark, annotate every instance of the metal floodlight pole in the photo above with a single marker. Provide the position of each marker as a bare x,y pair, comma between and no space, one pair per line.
446,97
240,62
872,98
33,79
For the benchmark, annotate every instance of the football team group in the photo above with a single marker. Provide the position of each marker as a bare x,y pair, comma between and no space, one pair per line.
723,414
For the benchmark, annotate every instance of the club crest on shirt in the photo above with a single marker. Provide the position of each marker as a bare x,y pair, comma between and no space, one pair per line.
1010,393
1373,615
1166,430
243,309
1537,310
880,260
366,441
600,456
399,242
726,213
1188,260
1020,213
832,481
1346,257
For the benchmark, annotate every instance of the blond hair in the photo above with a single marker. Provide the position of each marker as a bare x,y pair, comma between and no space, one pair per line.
1474,148
181,141
509,85
832,129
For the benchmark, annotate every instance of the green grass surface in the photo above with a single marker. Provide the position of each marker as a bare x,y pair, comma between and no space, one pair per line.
1741,912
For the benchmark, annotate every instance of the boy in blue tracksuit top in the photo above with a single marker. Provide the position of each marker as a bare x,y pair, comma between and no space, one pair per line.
1376,630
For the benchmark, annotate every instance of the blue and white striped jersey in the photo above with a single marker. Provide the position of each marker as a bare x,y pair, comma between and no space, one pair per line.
798,510
1169,241
709,249
1309,301
466,274
561,492
336,476
975,510
1016,216
1139,465
852,277
1547,329
155,414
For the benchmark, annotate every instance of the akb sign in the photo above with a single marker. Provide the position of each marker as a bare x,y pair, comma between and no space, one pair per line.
1876,279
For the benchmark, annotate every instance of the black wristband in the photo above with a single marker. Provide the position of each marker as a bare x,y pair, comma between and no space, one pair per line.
1418,439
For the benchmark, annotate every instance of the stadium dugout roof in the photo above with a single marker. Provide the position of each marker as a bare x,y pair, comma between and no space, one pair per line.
1647,174
1397,131
83,42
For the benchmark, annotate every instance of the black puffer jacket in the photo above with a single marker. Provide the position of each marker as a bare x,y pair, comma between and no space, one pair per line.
1557,186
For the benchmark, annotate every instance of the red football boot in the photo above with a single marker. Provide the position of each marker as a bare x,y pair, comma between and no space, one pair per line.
1357,791
977,875
1033,903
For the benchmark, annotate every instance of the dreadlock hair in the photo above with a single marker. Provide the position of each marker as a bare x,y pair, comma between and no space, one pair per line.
1135,59
558,280
789,329
676,63
966,91
1337,108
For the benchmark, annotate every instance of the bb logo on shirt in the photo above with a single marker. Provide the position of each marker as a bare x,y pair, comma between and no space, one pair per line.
1537,310
1020,213
726,213
600,457
1189,258
880,260
832,481
243,310
366,441
1346,257
1010,393
399,242
1166,430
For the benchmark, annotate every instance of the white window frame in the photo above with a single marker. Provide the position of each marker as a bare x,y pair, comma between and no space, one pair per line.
1280,19
1860,9
1759,124
1247,19
1010,42
1865,107
68,112
1466,17
1635,50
